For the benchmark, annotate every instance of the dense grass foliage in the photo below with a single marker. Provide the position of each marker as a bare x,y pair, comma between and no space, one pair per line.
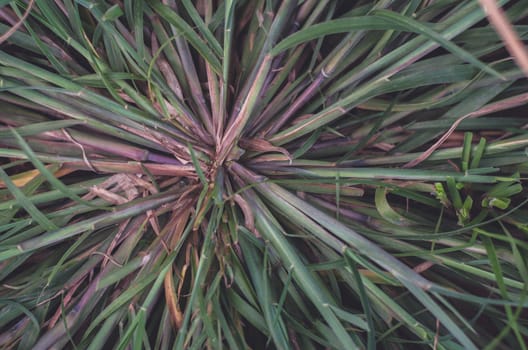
261,174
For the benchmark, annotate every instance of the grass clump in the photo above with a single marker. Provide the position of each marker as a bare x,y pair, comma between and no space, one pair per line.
261,175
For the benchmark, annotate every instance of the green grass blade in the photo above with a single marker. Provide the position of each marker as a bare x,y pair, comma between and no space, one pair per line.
187,32
26,203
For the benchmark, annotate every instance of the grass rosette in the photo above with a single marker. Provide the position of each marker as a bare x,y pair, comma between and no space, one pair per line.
261,174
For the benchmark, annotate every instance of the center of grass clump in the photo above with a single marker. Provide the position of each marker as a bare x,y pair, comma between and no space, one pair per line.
262,174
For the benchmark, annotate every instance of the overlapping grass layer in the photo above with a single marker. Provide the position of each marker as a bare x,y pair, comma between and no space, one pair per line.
261,174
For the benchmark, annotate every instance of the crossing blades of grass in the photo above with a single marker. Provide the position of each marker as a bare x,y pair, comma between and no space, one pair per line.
262,175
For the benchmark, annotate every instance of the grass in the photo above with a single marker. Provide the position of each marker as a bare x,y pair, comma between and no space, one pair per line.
263,175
